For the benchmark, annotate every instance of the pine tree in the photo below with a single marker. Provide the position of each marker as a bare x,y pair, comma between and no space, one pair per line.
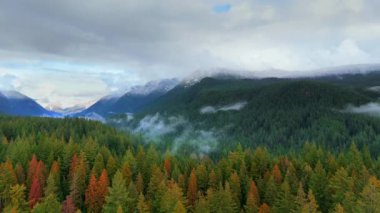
78,182
142,205
127,173
91,195
111,166
68,205
32,170
154,191
235,189
98,165
300,199
17,201
311,205
277,174
340,185
270,192
202,177
213,180
202,205
264,208
139,183
102,187
285,201
192,189
48,204
338,208
370,196
133,195
317,184
51,186
20,173
171,196
221,200
73,166
35,192
253,198
179,208
118,195
168,167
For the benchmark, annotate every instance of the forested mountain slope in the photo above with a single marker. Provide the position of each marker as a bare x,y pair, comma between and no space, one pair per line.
277,113
65,165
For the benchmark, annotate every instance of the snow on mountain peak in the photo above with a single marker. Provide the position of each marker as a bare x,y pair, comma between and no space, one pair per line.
198,75
154,86
11,94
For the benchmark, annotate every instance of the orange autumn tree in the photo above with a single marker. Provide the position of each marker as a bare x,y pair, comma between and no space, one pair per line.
253,198
102,185
91,195
277,174
35,192
96,192
264,208
167,166
192,189
32,170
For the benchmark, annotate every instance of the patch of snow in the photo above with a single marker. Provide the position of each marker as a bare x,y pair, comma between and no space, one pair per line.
13,95
164,85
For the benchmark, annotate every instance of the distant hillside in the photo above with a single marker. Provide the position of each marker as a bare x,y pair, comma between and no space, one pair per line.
132,101
15,103
274,112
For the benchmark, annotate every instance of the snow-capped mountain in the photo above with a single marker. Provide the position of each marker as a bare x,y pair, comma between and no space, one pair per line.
161,86
67,110
15,103
198,75
133,100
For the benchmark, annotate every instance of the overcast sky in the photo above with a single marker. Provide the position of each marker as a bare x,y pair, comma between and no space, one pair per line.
72,52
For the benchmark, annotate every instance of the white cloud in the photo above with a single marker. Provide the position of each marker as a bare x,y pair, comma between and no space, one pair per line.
129,42
372,109
230,107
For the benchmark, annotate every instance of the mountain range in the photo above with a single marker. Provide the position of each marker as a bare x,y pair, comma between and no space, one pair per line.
172,94
15,103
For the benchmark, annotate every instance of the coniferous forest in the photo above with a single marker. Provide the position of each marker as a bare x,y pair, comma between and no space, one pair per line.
74,165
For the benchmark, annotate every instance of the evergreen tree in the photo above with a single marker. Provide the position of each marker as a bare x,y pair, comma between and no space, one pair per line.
264,208
142,205
68,205
48,204
35,192
192,190
17,201
117,196
253,198
370,196
235,189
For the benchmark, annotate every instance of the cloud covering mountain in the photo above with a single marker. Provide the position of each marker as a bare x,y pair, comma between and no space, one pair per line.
69,52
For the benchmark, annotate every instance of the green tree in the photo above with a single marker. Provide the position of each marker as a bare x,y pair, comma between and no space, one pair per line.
118,195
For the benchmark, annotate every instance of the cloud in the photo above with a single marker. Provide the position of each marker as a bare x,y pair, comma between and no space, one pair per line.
156,127
372,109
230,107
122,43
8,82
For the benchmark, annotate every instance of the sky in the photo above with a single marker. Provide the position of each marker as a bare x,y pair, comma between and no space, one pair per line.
69,52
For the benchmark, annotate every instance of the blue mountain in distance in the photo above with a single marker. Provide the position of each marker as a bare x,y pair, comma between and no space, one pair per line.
132,101
15,103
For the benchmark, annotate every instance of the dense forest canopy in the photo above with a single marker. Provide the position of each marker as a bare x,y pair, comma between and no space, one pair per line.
66,165
280,114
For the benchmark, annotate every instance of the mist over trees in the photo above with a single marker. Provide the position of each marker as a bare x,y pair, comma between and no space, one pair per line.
67,165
